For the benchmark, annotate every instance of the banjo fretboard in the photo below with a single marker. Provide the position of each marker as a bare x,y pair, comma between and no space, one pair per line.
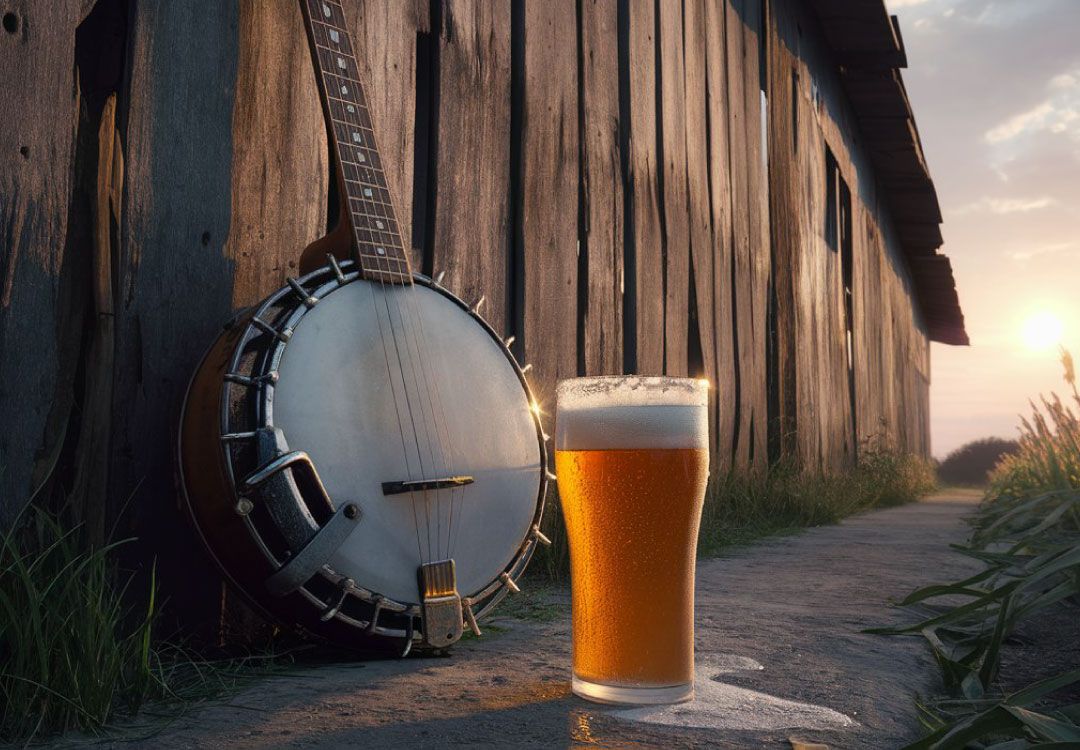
377,236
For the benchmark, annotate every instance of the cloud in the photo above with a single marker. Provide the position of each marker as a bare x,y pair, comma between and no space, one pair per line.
1058,113
1004,206
1050,248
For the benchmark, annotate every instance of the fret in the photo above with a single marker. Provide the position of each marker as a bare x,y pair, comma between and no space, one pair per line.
328,12
329,38
373,223
392,262
340,64
348,113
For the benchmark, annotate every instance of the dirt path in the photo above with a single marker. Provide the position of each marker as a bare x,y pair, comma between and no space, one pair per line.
779,649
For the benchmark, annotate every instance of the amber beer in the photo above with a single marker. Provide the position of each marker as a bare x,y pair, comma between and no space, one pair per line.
632,460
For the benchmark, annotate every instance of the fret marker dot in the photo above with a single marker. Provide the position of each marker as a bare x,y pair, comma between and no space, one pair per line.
334,36
341,63
351,108
367,192
356,137
326,10
344,89
362,158
379,224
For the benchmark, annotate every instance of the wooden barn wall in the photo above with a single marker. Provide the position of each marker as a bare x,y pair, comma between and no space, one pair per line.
634,186
809,113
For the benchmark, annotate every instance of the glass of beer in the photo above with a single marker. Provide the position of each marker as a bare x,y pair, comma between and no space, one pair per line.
632,459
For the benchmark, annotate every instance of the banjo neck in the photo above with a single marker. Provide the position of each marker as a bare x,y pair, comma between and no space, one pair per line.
376,234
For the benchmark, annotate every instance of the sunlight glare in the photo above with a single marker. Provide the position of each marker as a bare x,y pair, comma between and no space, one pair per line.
1042,331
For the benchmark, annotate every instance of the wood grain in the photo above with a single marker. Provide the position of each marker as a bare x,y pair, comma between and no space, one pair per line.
643,168
602,190
699,203
673,197
720,216
36,165
472,210
550,191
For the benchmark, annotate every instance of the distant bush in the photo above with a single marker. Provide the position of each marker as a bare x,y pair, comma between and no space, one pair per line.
971,464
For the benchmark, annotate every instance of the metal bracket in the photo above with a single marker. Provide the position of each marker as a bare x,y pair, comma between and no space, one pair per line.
307,562
441,604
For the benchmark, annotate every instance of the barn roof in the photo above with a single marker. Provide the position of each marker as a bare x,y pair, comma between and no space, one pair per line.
870,51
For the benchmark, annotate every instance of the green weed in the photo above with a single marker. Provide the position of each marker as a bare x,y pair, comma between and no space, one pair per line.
1027,532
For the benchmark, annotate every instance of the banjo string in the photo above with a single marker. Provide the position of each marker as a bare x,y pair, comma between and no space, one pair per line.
438,413
397,411
446,443
413,315
408,399
407,326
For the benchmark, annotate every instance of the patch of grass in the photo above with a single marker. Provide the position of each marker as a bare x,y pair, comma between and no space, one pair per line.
74,652
71,652
741,508
784,500
1027,532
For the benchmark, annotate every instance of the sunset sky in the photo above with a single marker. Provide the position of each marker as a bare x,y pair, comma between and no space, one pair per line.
995,86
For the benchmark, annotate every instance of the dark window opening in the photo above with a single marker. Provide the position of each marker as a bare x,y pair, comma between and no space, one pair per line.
847,253
832,204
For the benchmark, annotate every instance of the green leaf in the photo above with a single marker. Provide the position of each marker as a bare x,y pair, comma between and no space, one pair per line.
1042,688
1046,727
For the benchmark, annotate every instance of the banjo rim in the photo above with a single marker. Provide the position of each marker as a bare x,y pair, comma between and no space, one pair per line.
251,326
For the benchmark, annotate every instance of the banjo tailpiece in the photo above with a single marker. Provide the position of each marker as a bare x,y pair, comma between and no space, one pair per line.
441,604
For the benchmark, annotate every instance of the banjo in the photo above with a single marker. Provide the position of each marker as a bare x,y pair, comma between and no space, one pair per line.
360,452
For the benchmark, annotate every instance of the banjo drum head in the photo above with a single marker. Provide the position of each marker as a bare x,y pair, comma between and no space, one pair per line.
392,384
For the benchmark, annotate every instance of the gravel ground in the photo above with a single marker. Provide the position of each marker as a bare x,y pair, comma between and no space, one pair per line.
779,650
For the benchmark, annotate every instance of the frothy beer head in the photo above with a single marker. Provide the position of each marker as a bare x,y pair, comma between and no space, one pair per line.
628,412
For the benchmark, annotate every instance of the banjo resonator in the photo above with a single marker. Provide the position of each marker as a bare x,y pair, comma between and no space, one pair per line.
361,453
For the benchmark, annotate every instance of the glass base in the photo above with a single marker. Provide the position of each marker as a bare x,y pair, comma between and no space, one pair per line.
631,696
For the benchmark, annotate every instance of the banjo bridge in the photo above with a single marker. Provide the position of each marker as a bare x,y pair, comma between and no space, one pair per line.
419,485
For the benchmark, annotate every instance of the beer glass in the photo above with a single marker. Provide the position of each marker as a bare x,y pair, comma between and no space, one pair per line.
632,459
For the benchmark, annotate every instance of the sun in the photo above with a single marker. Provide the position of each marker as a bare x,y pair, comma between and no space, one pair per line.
1042,331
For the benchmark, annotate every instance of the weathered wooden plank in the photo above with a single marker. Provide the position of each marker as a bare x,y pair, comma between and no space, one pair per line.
36,162
699,203
643,166
673,196
549,191
602,190
385,33
720,218
755,381
472,208
174,278
750,229
740,229
789,231
279,152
